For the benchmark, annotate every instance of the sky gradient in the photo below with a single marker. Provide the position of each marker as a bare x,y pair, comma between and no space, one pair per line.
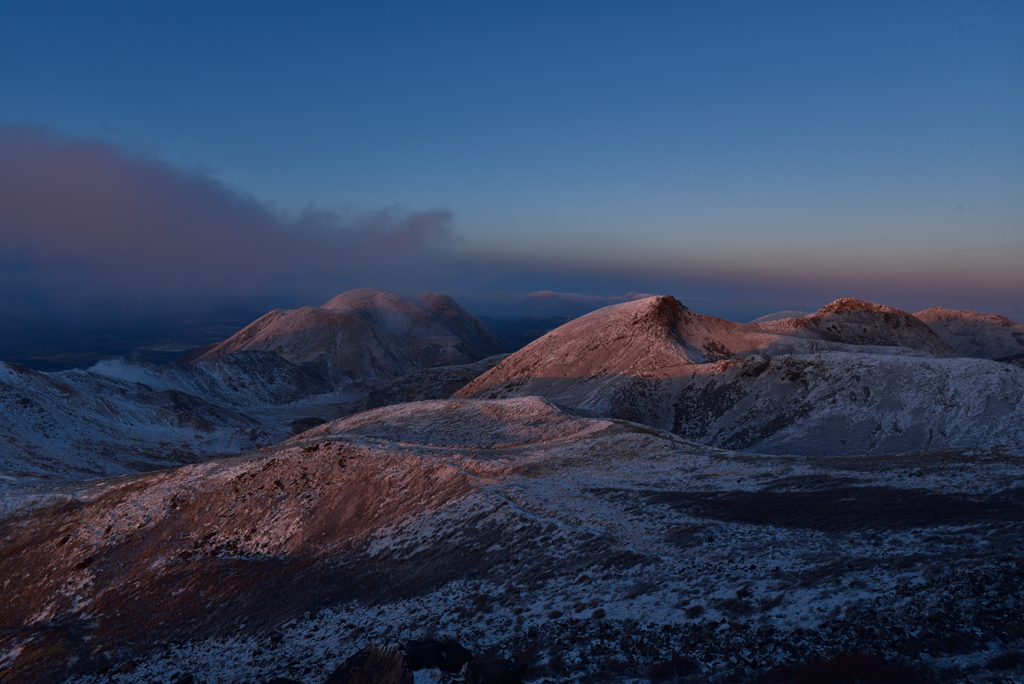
749,156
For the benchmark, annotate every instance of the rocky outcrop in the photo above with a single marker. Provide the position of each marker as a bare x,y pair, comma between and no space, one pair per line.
373,665
396,664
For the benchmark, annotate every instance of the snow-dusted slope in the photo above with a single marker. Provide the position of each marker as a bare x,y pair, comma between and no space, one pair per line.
986,336
838,403
851,378
282,374
367,335
75,424
241,379
658,337
653,337
574,547
465,423
856,322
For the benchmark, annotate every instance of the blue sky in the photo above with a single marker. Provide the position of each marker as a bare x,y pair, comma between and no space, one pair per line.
770,153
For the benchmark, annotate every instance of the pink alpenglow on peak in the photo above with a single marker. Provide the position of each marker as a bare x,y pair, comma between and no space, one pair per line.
852,378
368,334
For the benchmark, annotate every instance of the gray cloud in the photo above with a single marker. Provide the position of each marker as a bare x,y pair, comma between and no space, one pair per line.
82,218
84,223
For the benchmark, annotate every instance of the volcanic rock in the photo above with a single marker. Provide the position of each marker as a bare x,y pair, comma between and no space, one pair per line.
506,525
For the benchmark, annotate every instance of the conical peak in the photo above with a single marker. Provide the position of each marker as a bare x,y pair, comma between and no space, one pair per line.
670,306
661,310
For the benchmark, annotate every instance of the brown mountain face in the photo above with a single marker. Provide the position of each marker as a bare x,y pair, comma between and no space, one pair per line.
986,336
258,540
367,335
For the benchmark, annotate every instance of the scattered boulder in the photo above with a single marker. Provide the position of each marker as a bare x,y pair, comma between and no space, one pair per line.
430,654
494,671
847,668
677,666
373,665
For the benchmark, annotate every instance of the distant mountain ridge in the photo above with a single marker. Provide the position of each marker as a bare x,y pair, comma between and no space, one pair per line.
853,377
854,321
658,336
519,332
367,334
986,336
285,372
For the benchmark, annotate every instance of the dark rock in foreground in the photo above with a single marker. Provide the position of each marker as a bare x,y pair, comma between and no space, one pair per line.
373,665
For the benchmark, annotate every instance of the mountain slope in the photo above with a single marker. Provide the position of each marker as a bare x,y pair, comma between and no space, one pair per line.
852,378
74,425
282,374
367,335
576,547
986,336
654,337
856,322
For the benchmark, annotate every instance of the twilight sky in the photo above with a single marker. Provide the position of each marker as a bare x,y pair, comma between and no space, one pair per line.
744,156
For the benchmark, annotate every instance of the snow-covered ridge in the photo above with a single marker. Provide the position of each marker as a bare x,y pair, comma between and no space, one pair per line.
283,374
852,378
464,423
986,336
